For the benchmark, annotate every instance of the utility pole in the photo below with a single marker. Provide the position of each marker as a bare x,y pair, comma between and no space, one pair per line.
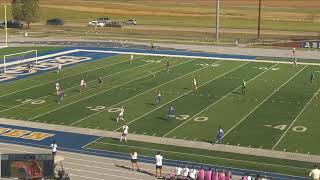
217,20
6,24
259,19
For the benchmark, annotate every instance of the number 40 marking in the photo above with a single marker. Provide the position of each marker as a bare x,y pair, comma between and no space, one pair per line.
284,126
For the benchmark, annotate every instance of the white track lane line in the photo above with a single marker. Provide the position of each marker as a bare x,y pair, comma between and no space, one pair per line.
214,103
263,102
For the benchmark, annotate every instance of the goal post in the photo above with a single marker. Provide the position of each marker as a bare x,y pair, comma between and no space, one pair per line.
19,58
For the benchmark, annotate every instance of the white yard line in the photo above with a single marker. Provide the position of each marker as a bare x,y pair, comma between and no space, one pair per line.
95,80
137,95
262,102
12,107
184,94
98,93
48,82
296,119
214,103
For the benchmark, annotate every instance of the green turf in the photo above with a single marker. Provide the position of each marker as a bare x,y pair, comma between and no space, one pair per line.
296,168
275,95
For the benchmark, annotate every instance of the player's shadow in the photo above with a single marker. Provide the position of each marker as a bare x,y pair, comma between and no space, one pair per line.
163,118
187,89
129,168
150,104
236,92
76,90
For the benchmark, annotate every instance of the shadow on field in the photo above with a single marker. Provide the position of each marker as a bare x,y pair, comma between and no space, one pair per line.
129,168
164,118
151,104
236,92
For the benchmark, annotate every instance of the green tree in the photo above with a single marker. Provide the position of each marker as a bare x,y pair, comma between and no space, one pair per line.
26,10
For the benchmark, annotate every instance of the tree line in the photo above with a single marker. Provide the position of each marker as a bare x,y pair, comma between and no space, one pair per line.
26,10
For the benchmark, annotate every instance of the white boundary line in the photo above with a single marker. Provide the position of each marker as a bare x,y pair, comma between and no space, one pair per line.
41,57
12,107
296,119
138,94
198,57
100,92
214,103
104,174
184,94
262,102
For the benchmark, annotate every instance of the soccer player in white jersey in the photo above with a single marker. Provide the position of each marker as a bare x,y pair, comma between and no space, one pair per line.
124,134
120,116
59,68
83,85
131,58
57,87
194,83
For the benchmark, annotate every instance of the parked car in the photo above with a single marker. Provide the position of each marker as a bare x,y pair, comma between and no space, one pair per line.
14,24
55,21
114,24
131,22
96,23
2,25
104,19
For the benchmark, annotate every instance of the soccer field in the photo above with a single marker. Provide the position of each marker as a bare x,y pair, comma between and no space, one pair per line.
279,110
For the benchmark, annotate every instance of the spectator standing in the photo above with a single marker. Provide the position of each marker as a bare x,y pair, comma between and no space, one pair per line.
134,159
178,171
159,164
200,174
315,173
193,173
208,174
215,175
228,175
54,147
185,172
222,175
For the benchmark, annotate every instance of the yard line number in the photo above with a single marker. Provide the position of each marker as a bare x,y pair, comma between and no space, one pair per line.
31,101
284,126
265,68
206,65
180,117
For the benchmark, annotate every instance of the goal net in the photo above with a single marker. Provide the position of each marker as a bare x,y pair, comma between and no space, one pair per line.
19,61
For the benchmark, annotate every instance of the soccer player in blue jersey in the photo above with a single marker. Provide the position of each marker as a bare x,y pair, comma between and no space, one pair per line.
158,99
60,96
219,135
312,77
171,112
